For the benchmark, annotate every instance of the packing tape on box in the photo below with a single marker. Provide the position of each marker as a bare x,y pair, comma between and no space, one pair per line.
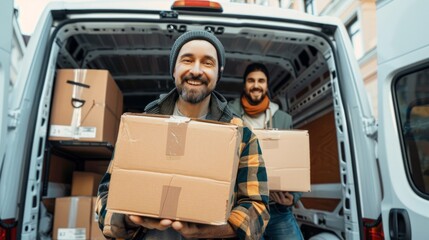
72,232
77,103
74,205
176,136
275,182
169,201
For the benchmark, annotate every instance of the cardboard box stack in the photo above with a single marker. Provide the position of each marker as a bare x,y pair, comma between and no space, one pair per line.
75,219
87,106
75,216
287,159
72,218
174,168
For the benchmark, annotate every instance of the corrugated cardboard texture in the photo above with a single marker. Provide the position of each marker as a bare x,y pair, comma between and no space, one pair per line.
87,100
85,183
72,214
195,185
96,233
287,158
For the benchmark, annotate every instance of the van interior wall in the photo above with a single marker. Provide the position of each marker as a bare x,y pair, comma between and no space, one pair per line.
323,158
142,74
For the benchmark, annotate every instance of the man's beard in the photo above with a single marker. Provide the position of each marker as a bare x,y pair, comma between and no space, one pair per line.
250,99
193,96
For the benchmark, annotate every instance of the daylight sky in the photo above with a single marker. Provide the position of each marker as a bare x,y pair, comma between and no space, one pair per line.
29,12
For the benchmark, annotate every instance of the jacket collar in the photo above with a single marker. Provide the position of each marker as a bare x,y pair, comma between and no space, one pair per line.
218,110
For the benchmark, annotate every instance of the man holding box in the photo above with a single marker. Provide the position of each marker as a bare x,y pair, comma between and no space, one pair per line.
197,60
257,111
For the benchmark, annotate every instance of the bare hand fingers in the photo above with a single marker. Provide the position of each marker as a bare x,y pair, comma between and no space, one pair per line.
136,219
166,222
274,196
186,229
151,223
177,225
286,198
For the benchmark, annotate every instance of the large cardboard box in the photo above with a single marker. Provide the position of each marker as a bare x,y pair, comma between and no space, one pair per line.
72,218
287,159
85,183
174,168
87,106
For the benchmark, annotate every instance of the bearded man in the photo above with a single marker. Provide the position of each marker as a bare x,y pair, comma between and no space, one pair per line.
257,111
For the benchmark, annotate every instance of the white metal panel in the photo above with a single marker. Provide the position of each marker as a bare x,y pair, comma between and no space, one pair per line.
403,43
402,28
6,12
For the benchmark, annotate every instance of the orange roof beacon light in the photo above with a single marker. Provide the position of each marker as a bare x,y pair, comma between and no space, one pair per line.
197,5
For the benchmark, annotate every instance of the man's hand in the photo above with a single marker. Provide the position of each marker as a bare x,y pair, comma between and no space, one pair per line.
283,198
193,230
151,223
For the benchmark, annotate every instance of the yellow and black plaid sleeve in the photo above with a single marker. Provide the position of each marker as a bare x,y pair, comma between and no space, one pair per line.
113,225
250,215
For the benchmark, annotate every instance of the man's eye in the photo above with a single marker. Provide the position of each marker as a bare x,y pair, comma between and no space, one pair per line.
209,63
186,60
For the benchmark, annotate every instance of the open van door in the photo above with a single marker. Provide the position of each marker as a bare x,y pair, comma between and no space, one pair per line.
403,49
6,13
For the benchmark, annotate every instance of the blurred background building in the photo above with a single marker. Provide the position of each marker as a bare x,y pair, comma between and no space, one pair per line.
359,18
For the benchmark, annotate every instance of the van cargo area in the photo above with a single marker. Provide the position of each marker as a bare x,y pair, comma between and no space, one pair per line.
313,76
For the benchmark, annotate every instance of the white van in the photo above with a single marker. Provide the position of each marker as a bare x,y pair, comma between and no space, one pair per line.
358,190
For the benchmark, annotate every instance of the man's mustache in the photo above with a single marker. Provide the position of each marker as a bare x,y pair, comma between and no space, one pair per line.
256,89
195,78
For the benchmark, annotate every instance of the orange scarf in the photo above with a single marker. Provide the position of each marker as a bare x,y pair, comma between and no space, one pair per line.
253,110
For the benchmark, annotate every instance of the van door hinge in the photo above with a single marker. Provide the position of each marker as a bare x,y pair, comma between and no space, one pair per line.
370,127
13,119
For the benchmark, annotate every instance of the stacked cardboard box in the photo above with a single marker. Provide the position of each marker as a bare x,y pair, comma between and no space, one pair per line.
75,218
174,168
287,159
87,106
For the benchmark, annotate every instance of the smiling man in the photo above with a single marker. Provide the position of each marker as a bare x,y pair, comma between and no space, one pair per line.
254,106
197,60
257,111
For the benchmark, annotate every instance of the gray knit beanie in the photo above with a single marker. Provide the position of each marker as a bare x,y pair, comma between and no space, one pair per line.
197,35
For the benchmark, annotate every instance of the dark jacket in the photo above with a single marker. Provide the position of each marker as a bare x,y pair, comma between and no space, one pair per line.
218,110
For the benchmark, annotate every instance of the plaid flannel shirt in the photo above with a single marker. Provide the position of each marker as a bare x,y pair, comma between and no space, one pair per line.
249,216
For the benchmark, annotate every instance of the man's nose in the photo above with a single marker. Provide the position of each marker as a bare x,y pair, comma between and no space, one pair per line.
256,84
196,69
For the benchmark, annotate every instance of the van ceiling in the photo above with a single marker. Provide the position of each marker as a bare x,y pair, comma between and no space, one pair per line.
138,59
